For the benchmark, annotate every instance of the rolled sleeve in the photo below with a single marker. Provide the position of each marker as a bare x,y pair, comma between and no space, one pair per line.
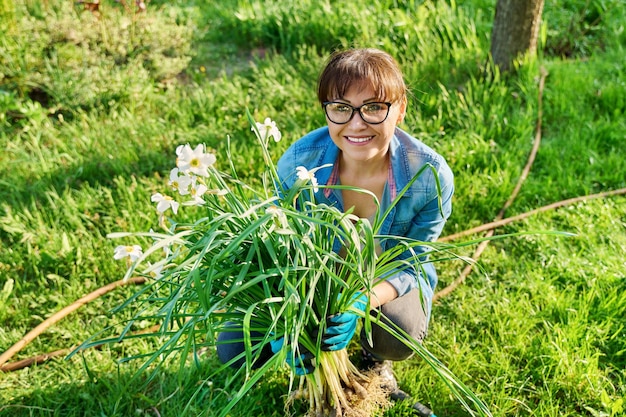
405,281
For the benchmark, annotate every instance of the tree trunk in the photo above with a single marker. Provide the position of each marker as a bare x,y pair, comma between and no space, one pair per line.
515,30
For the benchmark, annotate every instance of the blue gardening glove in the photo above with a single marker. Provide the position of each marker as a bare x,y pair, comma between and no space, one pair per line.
277,345
340,327
301,364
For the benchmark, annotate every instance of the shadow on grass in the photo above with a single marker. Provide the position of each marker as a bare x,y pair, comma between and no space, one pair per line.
166,393
101,170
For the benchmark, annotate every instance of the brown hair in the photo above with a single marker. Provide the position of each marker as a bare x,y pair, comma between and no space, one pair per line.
361,67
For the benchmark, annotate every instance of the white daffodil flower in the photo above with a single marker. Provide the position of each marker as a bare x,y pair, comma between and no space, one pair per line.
218,192
197,191
277,213
131,251
195,161
164,202
167,250
154,270
306,240
179,181
306,175
280,218
268,129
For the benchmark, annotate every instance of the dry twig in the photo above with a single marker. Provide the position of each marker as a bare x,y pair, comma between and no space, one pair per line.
531,159
30,336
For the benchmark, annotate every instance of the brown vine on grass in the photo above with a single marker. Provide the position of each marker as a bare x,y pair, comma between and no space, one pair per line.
531,159
499,223
30,336
500,220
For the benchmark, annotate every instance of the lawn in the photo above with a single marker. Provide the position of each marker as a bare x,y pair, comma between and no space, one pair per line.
94,103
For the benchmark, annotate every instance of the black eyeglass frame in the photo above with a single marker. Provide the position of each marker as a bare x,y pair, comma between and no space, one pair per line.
355,109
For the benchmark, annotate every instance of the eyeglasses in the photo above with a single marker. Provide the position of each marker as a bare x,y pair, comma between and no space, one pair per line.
341,113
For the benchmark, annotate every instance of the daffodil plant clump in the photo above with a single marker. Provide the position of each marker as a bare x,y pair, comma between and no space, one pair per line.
265,262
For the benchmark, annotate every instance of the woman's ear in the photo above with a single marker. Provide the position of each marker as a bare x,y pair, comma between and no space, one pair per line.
402,111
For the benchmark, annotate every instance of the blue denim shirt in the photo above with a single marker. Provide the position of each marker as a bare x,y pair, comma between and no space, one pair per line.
417,215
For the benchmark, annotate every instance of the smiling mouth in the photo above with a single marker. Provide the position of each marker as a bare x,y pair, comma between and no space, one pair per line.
359,139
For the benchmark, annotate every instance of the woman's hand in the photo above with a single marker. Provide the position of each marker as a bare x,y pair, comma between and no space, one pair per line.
340,327
301,362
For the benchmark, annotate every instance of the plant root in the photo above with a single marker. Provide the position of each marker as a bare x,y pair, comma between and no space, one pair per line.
369,397
338,389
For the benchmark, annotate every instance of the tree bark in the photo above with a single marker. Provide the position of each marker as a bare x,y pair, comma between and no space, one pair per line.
515,30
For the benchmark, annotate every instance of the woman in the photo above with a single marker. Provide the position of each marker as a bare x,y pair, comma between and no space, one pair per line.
364,97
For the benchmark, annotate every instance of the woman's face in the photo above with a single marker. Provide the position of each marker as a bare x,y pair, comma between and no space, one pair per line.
360,141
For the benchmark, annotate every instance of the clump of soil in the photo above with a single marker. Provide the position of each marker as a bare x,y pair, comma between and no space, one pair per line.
372,401
365,397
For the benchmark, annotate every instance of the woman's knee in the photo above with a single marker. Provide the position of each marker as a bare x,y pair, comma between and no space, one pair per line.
230,347
410,313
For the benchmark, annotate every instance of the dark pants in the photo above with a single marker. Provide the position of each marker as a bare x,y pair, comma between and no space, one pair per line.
230,345
407,312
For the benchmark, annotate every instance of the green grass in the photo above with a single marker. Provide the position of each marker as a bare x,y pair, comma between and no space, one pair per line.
92,108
